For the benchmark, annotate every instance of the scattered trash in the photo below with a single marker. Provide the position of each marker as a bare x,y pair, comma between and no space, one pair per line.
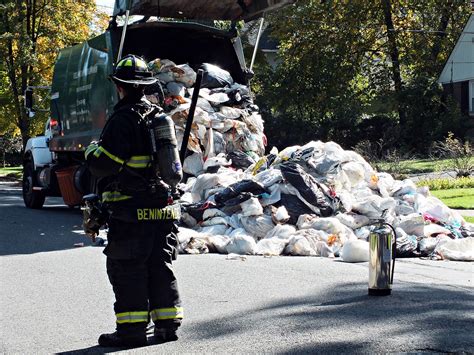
225,121
310,200
233,256
315,200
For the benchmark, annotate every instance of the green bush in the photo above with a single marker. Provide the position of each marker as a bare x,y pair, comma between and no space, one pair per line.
461,155
445,184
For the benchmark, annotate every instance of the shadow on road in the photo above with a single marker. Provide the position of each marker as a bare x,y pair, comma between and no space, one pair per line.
440,317
90,350
27,231
96,349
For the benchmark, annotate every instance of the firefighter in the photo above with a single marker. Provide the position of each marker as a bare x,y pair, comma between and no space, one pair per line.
141,222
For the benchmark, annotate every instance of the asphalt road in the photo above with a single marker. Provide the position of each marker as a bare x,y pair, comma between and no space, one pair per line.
55,298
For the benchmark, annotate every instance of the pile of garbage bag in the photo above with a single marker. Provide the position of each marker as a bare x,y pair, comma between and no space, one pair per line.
314,200
227,126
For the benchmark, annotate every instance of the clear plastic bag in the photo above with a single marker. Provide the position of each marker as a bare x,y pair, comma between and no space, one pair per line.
257,226
330,225
176,89
428,245
407,245
282,231
413,224
374,206
184,74
193,164
309,242
217,229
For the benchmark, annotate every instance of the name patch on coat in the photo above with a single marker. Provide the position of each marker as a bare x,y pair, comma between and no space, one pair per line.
172,212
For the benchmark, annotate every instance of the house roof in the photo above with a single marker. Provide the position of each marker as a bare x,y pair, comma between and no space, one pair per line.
460,64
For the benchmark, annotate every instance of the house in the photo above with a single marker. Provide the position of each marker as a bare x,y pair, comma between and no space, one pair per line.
457,76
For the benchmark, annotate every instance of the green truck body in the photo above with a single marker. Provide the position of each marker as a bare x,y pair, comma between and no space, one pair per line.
83,97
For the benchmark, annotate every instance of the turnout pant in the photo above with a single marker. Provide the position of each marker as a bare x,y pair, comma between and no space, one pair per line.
139,266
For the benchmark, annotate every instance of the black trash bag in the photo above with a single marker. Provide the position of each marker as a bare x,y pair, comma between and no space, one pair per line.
215,77
308,188
239,159
407,246
242,197
232,191
223,196
196,210
232,206
294,206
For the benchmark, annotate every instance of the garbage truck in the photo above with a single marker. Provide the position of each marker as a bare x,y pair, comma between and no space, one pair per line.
82,97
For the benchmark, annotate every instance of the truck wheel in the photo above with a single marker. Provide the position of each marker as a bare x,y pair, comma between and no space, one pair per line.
32,198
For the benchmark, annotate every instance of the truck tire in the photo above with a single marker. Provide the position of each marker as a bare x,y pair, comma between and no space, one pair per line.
33,199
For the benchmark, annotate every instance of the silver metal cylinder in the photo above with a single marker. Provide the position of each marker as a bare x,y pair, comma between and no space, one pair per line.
380,261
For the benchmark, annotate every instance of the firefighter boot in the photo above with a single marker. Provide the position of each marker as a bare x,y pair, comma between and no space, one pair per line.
117,340
163,335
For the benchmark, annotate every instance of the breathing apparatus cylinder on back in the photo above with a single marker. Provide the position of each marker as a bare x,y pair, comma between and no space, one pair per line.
166,163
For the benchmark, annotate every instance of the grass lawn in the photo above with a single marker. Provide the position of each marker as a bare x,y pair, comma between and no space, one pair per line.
456,198
12,172
469,219
415,166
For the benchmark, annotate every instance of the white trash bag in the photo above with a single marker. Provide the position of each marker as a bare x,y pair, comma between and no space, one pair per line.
217,243
251,207
270,246
457,249
282,231
352,220
355,251
241,243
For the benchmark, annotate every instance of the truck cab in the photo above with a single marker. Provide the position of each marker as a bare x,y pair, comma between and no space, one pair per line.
82,97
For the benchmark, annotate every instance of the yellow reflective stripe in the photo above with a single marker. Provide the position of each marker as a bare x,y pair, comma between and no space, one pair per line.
140,63
139,161
91,148
110,155
114,196
132,317
167,313
128,63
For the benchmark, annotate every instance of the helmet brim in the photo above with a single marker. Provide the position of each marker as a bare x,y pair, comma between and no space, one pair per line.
144,81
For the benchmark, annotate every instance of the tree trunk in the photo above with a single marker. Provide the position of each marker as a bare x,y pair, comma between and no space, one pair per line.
395,57
19,83
446,13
